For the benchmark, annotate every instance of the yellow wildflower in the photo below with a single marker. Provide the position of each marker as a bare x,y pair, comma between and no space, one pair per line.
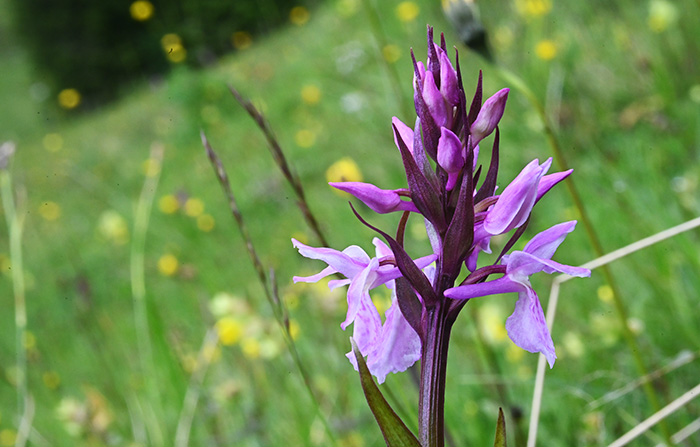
344,170
310,94
7,437
251,348
229,330
168,265
605,293
305,138
299,15
194,207
241,40
113,227
533,8
662,15
168,204
174,50
51,379
141,10
205,222
391,53
546,50
50,211
69,98
407,11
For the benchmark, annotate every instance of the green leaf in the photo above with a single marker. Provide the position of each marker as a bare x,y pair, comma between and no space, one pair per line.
500,430
395,432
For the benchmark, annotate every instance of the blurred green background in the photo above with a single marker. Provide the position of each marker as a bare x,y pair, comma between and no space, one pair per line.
620,81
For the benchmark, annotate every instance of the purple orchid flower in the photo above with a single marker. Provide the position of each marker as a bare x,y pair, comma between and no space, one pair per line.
462,212
526,326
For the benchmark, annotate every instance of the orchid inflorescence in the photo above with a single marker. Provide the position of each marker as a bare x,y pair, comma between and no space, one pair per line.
440,156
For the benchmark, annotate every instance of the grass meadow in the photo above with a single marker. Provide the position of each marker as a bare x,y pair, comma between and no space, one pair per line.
620,84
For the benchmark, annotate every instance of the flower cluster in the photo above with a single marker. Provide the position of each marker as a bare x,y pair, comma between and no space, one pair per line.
440,156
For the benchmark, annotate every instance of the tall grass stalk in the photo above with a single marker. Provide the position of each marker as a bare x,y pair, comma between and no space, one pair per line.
268,284
14,229
281,161
138,292
204,359
657,417
554,299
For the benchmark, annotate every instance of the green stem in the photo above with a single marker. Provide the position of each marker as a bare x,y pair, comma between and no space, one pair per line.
14,228
619,304
138,290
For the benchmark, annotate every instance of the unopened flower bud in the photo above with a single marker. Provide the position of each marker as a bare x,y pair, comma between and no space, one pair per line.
489,116
449,156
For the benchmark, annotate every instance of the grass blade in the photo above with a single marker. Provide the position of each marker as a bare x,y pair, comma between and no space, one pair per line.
138,291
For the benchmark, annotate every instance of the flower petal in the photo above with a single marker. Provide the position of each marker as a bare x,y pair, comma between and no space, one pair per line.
398,346
500,285
318,276
516,200
405,133
547,182
380,200
528,328
434,100
448,79
367,328
544,244
358,292
349,262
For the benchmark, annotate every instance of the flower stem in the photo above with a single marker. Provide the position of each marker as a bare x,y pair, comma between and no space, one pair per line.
431,417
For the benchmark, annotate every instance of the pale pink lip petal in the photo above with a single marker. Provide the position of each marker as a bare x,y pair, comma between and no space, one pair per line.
527,327
398,346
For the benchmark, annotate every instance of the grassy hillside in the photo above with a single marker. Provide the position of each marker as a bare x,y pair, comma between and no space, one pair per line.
619,83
